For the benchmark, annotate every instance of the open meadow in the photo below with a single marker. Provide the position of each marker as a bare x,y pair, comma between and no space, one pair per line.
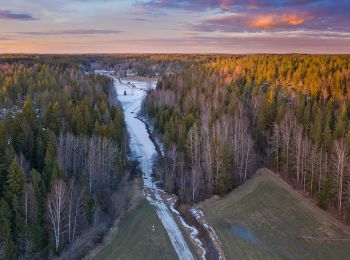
136,238
265,219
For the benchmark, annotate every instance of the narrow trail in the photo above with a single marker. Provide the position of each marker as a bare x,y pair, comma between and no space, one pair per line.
143,148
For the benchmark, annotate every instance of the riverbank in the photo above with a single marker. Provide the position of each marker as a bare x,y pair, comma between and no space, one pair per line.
202,236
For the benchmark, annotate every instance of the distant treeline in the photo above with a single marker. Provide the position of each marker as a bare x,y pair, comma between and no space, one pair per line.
147,65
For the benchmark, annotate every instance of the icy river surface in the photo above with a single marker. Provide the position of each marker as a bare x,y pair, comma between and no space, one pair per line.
130,95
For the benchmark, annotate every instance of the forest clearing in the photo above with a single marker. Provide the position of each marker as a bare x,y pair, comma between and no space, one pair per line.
266,219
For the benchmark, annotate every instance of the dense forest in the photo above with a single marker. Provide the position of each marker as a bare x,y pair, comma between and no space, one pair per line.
221,119
63,148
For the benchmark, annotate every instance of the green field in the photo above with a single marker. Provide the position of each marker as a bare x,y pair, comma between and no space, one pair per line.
136,239
266,219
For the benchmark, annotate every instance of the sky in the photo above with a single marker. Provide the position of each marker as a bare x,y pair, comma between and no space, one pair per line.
175,26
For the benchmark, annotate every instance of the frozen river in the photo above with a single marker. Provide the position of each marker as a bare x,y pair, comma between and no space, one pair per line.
143,148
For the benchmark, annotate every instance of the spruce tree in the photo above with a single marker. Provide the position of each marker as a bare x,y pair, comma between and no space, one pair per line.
14,185
6,239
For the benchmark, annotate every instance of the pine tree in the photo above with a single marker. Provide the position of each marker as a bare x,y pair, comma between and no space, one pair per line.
38,232
51,168
6,156
6,240
28,110
340,128
13,193
14,185
327,137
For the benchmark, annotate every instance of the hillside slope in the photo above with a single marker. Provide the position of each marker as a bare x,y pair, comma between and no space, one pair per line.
265,219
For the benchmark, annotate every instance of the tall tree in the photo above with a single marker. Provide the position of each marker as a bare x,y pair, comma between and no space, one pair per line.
340,164
56,209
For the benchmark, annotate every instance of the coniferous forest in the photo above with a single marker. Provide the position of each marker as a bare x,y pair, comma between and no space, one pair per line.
64,155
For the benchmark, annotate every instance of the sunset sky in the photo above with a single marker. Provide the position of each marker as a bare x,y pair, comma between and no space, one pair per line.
205,26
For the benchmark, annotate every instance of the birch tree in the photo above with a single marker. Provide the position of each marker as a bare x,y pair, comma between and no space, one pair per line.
340,159
56,208
75,208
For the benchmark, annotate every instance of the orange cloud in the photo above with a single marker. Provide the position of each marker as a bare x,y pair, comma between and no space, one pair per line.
293,19
269,21
266,21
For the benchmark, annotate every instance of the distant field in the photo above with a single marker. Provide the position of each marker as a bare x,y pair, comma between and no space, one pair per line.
266,219
135,238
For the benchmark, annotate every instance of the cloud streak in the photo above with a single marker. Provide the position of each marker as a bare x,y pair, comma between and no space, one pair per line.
250,43
226,5
70,32
10,15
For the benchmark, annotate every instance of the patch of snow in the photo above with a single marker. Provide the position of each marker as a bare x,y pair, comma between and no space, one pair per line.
193,231
197,213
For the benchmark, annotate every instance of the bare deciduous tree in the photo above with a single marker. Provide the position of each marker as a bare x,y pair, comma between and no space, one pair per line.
287,125
56,208
340,160
75,208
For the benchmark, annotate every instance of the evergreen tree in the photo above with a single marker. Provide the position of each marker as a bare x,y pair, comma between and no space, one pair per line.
51,168
6,156
14,185
37,229
340,128
6,240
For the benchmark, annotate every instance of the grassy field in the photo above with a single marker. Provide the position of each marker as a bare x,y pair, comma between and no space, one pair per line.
266,219
135,238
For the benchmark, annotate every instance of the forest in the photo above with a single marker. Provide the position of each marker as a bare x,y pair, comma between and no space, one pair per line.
221,119
65,167
63,157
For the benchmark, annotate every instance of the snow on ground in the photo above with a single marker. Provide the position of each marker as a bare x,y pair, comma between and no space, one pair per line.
143,148
193,231
198,214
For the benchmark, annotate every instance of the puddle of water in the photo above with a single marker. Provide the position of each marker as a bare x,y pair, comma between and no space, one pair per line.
244,233
248,236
